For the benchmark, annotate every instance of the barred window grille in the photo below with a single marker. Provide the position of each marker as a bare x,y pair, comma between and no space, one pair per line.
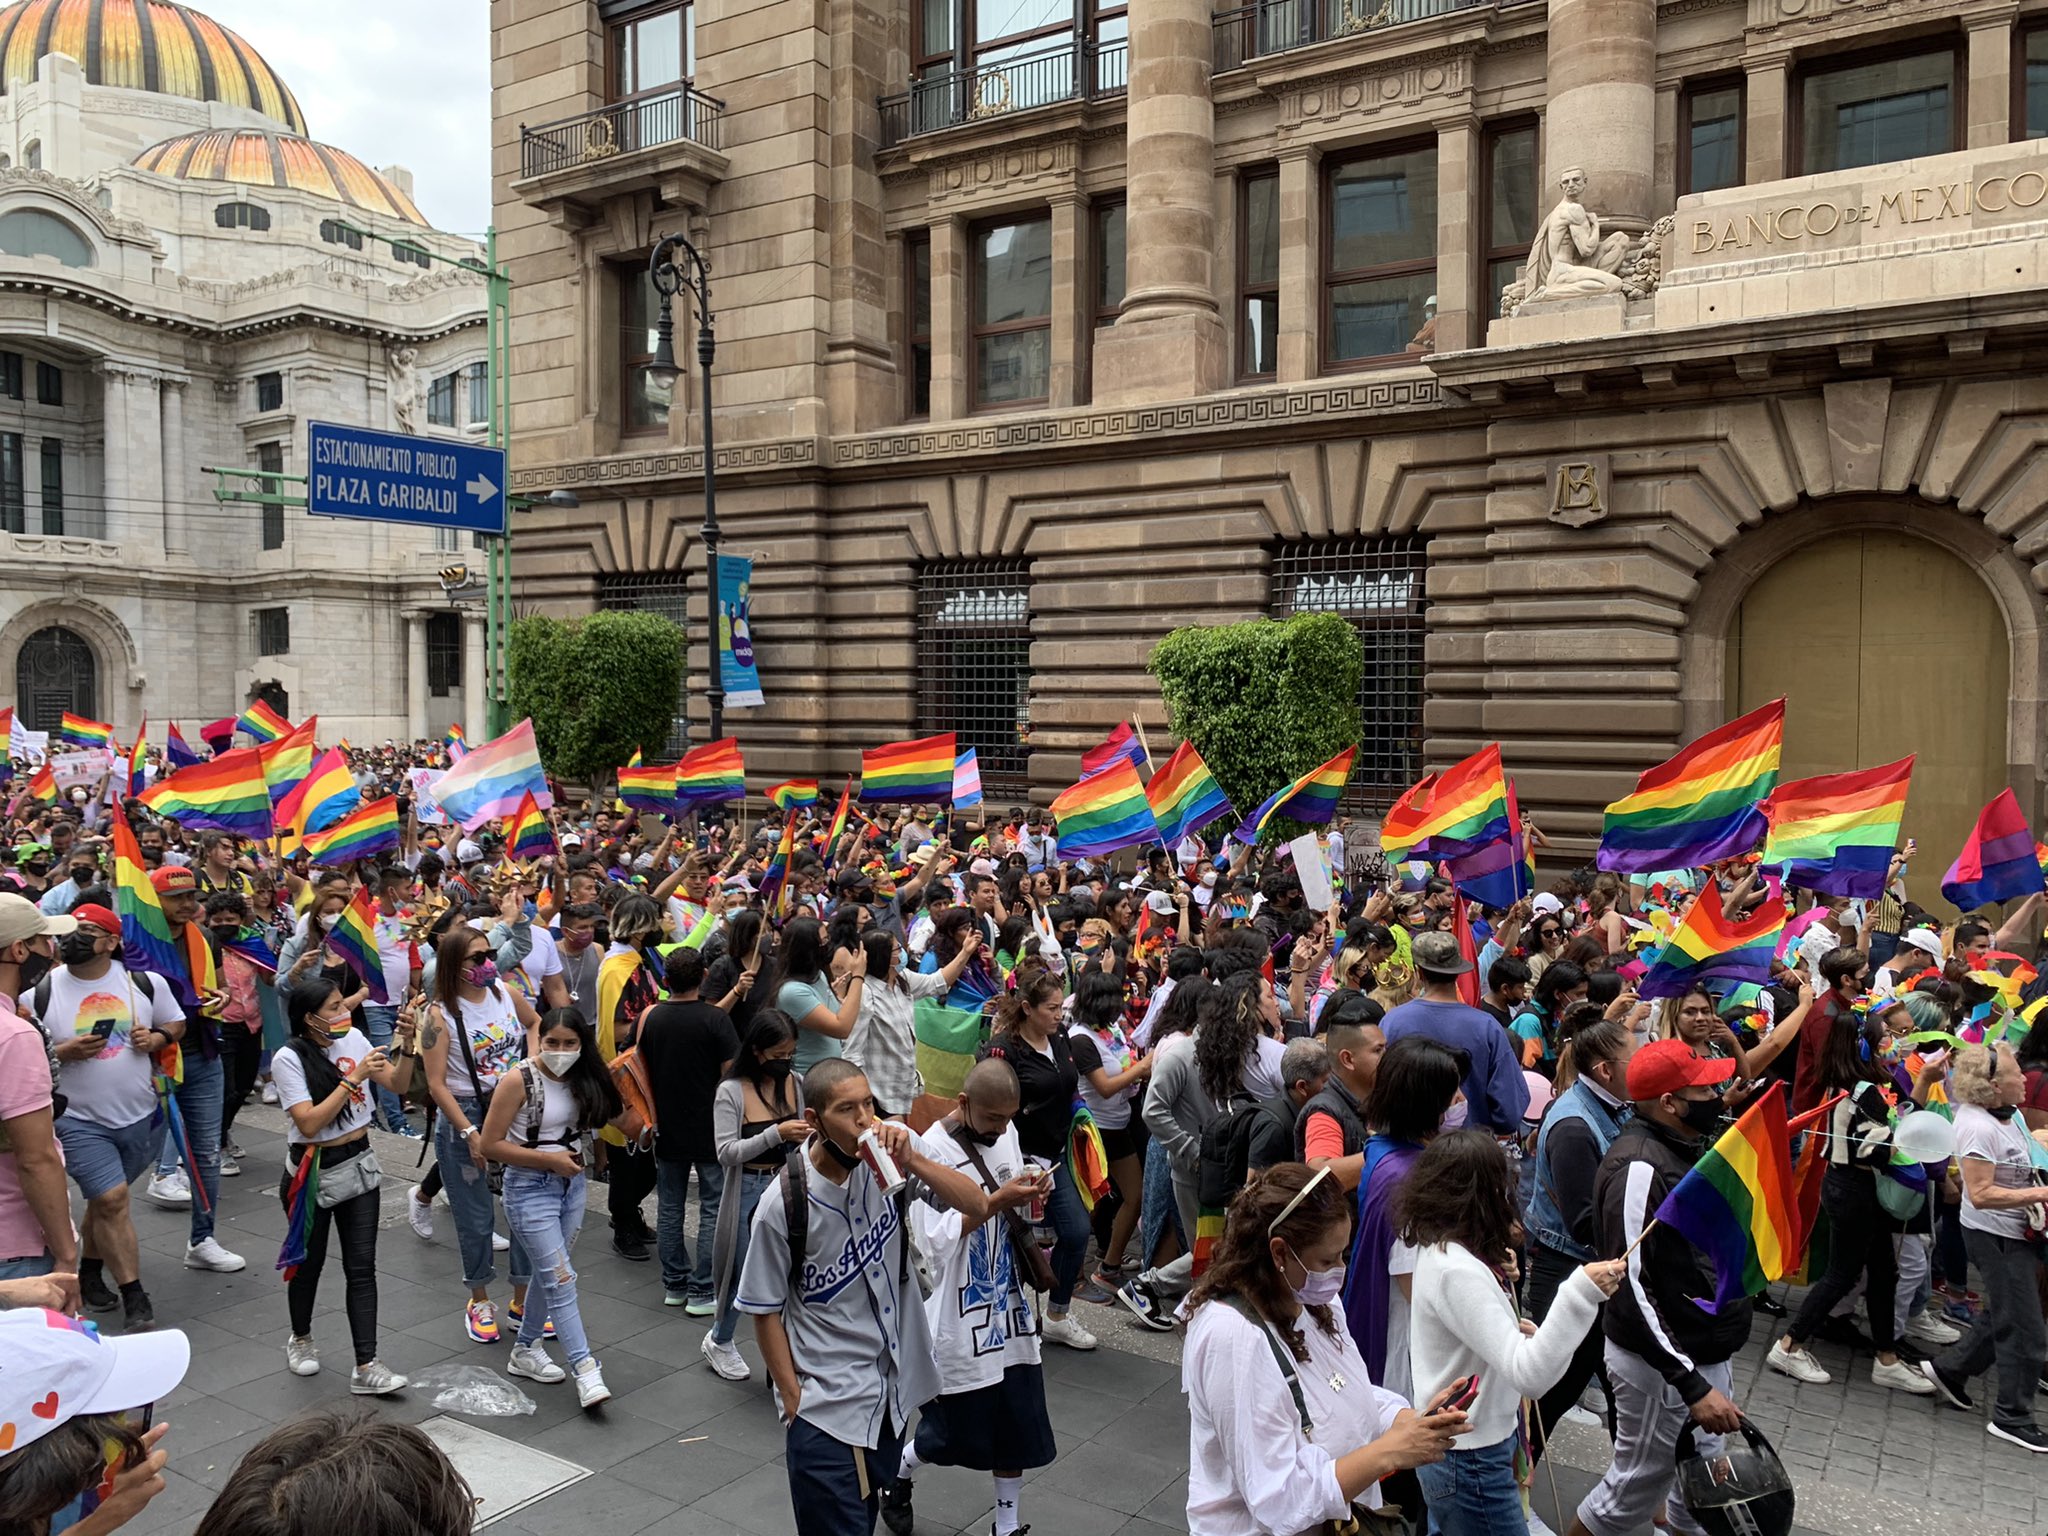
974,663
668,594
444,653
1378,584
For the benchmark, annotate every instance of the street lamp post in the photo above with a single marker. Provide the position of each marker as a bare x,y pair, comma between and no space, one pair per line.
669,278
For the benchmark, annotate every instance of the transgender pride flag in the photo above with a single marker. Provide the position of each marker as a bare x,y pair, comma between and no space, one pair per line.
491,780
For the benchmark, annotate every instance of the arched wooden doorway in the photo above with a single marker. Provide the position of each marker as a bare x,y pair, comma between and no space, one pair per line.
55,671
1882,644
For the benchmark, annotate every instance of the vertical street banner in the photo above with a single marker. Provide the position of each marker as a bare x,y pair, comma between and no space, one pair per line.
736,632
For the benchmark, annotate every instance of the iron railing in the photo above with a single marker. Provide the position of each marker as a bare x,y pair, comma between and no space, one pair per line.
619,128
1275,26
946,97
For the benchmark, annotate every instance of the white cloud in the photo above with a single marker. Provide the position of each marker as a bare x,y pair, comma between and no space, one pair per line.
393,82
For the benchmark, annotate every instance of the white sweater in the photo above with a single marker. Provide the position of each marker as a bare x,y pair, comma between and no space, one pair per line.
1462,1321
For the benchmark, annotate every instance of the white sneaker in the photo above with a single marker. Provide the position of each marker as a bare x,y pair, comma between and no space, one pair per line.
532,1362
269,1091
302,1356
727,1360
170,1189
1925,1327
1064,1330
375,1380
419,1214
1901,1377
210,1255
500,1244
1798,1364
229,1168
590,1387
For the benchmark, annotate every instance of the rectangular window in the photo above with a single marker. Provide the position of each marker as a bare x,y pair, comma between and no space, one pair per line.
1105,272
668,594
479,403
273,631
49,384
10,375
974,663
643,402
13,504
654,51
1710,132
917,343
2030,112
269,391
1379,585
444,653
1258,268
1510,205
1379,260
1872,110
1012,312
53,485
270,458
441,401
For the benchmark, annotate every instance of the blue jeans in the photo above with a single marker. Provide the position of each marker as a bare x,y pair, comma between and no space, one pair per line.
1069,1220
545,1212
28,1268
1159,1210
752,1182
200,1098
475,1210
379,1021
1473,1493
679,1275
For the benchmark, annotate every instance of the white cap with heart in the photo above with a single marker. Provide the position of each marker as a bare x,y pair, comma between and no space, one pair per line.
59,1369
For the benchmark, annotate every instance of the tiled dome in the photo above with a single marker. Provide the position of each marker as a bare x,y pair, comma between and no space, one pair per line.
144,45
263,158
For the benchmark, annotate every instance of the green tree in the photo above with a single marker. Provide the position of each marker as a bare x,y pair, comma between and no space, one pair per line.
597,688
1263,701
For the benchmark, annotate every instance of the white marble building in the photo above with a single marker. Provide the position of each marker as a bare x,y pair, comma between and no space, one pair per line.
176,291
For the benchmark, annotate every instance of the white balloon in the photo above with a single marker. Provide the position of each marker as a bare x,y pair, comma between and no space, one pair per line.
1926,1137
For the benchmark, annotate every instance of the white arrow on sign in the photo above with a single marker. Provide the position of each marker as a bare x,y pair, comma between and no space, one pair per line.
481,488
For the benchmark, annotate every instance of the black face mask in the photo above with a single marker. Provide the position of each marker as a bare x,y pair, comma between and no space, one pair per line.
979,1138
778,1068
33,969
77,948
1702,1115
2001,1111
847,1160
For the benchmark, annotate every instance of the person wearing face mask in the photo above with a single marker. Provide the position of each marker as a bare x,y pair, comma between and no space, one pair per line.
539,1126
36,1237
106,1025
321,1072
1287,1429
686,1045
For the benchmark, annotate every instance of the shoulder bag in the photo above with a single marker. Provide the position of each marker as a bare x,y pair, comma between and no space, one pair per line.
1032,1264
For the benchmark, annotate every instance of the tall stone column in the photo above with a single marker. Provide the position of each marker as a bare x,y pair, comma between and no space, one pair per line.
952,335
476,680
1070,264
1989,96
177,492
1603,102
1169,343
1461,310
116,490
416,721
1764,93
1297,352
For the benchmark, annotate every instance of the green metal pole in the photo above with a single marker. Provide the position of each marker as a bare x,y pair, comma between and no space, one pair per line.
498,607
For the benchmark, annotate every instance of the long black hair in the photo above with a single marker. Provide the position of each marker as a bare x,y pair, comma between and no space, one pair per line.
302,1000
770,1027
880,949
801,957
1417,1081
1227,1035
597,1098
1459,1191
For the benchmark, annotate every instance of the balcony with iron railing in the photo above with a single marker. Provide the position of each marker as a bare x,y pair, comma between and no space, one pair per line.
670,140
1267,27
949,97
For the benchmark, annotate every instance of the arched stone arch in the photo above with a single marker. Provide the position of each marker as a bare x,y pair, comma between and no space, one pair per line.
112,646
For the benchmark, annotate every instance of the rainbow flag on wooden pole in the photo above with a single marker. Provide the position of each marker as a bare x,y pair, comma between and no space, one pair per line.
1312,798
1707,946
1185,795
1703,804
1836,833
1099,815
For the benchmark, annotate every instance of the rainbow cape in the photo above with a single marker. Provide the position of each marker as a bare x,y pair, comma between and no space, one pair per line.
647,788
176,753
1312,798
1450,814
361,834
713,772
354,938
1103,814
300,1201
793,794
1087,1157
490,779
1706,947
1123,746
527,833
1740,1206
262,722
1997,862
1702,805
1836,833
919,770
147,943
1185,796
77,731
224,794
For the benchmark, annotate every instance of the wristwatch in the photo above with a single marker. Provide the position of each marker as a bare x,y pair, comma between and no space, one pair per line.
470,1130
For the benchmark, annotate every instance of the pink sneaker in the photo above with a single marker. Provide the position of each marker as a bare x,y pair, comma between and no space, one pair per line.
480,1322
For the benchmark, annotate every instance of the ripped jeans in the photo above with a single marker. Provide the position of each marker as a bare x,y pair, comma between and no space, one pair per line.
470,1200
545,1212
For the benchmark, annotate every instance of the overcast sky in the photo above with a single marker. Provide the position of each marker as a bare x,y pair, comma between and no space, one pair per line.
393,82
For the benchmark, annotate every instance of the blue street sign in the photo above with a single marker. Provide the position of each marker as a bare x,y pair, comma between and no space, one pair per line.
392,478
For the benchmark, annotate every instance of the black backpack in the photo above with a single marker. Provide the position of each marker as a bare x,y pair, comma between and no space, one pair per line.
1226,1152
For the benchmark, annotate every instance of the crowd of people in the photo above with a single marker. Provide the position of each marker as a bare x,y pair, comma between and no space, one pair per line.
1391,1165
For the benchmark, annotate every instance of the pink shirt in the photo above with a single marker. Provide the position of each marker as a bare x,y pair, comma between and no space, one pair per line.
24,1088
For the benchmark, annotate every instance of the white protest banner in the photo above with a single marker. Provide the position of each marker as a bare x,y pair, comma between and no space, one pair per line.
1312,869
425,808
87,766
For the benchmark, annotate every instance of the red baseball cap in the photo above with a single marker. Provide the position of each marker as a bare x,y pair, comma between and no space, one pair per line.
1666,1066
92,912
172,878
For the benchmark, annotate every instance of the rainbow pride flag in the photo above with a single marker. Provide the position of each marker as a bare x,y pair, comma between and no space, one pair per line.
1312,798
225,794
794,794
327,793
138,751
1102,814
77,731
947,1040
1738,1204
263,722
287,760
490,779
147,943
1702,805
1185,796
838,828
1123,746
1706,946
649,788
1997,862
354,938
177,754
712,773
909,770
527,833
42,785
361,834
1450,814
1836,833
775,881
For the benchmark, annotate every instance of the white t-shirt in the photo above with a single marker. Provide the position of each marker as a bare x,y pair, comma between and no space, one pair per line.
1979,1134
495,1041
1399,1375
980,1311
288,1076
542,961
116,1088
394,951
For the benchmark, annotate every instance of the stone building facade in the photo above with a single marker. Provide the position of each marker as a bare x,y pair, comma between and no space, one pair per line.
1045,327
187,280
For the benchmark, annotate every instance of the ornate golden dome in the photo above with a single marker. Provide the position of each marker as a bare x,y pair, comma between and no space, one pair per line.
144,45
265,158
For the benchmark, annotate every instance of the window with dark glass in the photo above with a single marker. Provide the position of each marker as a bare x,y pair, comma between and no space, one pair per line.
917,340
1105,272
52,452
1012,311
273,631
10,375
13,503
269,391
1511,174
2030,113
444,653
1258,266
270,459
1379,260
334,232
441,401
643,402
49,384
653,51
479,404
1873,109
1710,136
974,663
241,216
416,255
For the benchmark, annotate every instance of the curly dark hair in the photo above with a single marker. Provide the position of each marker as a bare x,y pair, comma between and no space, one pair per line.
1243,1261
1227,1033
1458,1192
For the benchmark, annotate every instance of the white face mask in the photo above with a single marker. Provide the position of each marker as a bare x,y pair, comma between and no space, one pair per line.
327,923
1209,877
559,1062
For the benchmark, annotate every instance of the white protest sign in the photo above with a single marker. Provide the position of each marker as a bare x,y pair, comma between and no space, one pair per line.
425,808
1312,869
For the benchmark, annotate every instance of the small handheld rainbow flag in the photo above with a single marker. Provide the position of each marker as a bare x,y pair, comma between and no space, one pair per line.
1739,1205
176,753
1702,805
327,793
300,1201
458,743
138,776
77,731
1122,746
794,794
711,773
649,788
354,938
838,828
262,722
1312,798
909,771
359,835
1185,795
147,943
1103,814
288,759
225,794
42,785
527,833
1706,946
1450,814
775,882
1836,833
1997,862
